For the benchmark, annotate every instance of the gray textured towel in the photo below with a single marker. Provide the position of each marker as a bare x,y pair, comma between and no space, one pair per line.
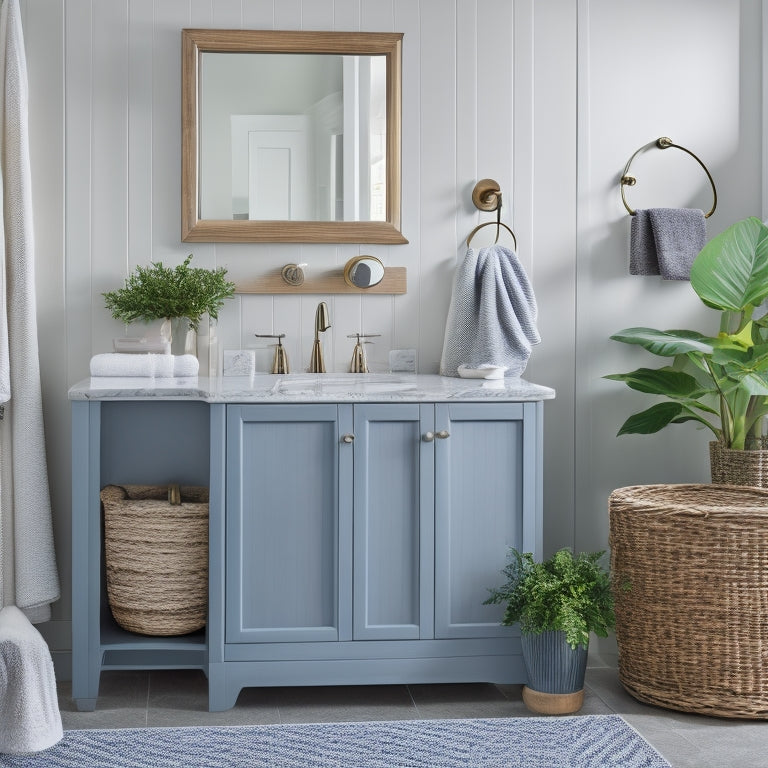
492,317
665,241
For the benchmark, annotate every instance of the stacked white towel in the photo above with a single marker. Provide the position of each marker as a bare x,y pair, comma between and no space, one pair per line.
29,710
492,317
150,365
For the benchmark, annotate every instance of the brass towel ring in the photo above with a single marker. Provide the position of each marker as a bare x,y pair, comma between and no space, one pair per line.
487,197
664,142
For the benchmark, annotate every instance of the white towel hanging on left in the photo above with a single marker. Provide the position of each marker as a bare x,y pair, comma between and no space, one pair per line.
492,316
29,577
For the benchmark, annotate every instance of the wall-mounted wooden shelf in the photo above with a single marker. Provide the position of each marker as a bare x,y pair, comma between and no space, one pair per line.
393,282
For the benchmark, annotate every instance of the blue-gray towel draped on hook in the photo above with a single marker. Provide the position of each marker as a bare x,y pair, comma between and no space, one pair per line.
492,316
665,241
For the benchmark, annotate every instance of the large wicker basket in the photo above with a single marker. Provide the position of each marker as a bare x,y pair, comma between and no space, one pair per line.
690,571
156,556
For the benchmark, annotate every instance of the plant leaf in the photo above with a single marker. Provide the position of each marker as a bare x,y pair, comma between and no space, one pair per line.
731,271
666,343
755,384
663,381
653,419
736,357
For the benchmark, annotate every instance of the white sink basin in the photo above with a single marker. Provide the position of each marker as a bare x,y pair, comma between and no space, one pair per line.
352,383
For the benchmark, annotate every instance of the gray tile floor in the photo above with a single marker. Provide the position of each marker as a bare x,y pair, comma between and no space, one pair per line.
179,698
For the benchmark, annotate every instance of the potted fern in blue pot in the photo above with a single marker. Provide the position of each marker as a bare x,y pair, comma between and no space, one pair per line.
557,603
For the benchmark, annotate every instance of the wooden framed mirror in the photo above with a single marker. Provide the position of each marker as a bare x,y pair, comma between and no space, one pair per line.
291,136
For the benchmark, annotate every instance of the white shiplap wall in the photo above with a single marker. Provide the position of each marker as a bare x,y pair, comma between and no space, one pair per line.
547,97
700,85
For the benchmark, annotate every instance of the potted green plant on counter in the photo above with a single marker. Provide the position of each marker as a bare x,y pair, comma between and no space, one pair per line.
718,380
156,292
557,602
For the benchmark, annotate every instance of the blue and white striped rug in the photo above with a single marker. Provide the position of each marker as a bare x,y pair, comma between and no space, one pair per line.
589,741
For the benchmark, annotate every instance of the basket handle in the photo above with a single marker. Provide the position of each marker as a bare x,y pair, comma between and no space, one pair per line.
174,495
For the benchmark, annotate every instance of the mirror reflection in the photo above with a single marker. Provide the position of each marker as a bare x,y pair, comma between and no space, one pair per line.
363,272
292,137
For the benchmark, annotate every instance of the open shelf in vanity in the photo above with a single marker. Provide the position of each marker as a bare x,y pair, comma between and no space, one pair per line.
114,443
127,650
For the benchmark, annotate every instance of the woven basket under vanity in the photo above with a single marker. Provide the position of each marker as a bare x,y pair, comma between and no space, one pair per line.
689,565
156,554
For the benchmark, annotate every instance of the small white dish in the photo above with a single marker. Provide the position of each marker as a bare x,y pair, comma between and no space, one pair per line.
486,372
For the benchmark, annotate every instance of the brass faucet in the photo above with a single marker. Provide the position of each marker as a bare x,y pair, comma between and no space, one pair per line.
322,323
280,360
359,362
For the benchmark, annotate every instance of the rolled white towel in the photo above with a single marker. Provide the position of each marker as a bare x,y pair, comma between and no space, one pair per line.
29,708
159,366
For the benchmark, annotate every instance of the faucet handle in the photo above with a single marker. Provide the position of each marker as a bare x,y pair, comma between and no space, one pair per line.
359,364
359,336
280,361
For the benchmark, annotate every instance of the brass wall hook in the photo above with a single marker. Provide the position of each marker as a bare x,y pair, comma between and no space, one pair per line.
663,142
487,197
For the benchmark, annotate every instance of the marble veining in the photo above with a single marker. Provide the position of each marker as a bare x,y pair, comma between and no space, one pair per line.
305,388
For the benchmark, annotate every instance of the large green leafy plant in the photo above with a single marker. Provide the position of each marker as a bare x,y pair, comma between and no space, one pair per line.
568,593
720,381
156,292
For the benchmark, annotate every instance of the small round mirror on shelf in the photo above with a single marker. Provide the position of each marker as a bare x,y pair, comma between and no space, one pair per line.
363,272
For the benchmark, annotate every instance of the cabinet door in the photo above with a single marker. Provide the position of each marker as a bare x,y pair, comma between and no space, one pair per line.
485,482
392,586
282,523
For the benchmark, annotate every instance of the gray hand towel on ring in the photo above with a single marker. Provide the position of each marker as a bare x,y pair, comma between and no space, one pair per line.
665,241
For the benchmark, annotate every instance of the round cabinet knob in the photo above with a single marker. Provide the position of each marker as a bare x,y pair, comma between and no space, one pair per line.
347,438
443,434
429,437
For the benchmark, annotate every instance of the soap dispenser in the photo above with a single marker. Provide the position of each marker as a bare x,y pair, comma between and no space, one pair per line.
280,360
359,363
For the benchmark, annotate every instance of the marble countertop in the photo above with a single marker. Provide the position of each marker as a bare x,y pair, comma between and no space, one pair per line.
309,387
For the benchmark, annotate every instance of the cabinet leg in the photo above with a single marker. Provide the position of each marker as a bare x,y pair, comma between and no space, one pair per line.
220,695
86,675
85,705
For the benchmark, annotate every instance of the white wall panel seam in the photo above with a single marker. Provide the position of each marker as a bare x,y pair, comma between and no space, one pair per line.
76,171
582,454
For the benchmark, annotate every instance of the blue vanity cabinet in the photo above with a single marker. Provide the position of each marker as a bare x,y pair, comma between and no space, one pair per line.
350,541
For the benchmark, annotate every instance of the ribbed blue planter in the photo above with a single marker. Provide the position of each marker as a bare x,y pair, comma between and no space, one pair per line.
552,665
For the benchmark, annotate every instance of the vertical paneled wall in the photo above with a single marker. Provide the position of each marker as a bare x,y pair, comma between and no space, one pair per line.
123,164
548,97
